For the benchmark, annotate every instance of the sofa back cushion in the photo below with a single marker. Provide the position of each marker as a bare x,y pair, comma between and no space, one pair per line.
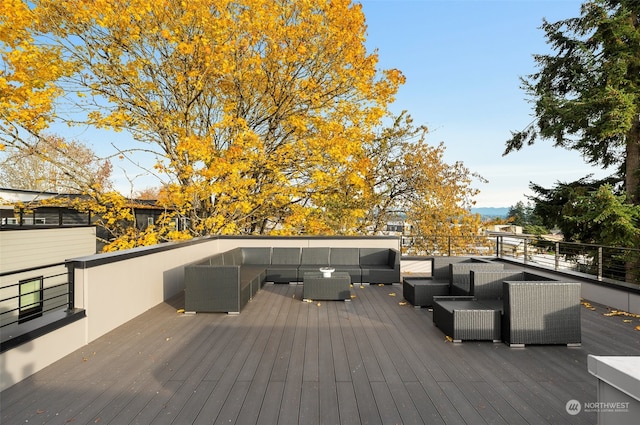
375,257
314,255
256,256
487,285
216,260
285,256
233,257
344,257
459,273
440,266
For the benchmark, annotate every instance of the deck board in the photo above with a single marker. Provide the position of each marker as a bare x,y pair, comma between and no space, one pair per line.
373,360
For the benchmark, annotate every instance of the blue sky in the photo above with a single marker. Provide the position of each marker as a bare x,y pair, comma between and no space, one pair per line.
462,60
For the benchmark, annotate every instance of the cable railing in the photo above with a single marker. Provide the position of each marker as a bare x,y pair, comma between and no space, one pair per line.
603,263
30,293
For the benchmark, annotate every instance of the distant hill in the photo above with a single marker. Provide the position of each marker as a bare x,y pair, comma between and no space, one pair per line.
491,212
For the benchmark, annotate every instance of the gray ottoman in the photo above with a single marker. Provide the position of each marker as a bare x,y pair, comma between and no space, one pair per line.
318,287
420,291
463,318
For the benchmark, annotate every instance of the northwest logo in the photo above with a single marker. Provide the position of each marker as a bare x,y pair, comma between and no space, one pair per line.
573,407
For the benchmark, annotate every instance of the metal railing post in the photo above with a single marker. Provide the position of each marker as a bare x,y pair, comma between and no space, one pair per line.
71,304
557,257
599,263
525,249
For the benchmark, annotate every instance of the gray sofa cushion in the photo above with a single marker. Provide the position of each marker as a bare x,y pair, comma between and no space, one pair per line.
375,257
344,257
259,256
317,256
233,257
284,265
290,256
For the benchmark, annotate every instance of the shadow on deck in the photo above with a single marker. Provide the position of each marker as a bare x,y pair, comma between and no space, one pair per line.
373,360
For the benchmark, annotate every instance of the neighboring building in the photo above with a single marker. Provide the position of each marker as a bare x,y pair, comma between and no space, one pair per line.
504,228
33,276
24,209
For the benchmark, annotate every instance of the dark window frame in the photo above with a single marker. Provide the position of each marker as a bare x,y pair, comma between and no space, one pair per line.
33,309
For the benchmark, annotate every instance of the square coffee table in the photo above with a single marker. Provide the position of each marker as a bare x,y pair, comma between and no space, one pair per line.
318,287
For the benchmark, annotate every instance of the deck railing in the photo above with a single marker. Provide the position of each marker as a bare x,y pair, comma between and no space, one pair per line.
30,293
603,263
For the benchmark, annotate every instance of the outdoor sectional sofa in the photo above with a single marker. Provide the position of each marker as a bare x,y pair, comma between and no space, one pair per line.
226,282
518,308
449,276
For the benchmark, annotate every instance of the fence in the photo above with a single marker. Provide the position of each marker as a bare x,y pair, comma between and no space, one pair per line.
601,262
30,293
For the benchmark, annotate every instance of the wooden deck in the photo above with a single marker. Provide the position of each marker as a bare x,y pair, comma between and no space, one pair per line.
285,361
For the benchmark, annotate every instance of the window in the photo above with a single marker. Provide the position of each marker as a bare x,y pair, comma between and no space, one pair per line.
27,221
149,221
30,299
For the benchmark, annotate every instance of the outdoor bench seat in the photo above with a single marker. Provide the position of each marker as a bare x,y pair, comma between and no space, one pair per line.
225,282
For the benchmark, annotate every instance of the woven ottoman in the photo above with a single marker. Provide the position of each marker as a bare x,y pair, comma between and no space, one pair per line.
318,287
419,291
464,318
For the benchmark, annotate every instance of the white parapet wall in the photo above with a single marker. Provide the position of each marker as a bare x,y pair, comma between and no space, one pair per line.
21,250
114,288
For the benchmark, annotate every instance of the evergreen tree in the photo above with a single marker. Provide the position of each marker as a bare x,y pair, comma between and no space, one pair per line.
587,94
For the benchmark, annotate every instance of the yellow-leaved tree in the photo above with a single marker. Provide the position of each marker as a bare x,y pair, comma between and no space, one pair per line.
262,115
410,178
256,109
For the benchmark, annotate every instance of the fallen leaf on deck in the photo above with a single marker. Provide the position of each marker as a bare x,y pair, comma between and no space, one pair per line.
319,304
392,294
448,338
588,305
181,311
402,303
621,313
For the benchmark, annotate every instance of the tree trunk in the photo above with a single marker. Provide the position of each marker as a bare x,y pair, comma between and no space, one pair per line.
632,164
632,183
